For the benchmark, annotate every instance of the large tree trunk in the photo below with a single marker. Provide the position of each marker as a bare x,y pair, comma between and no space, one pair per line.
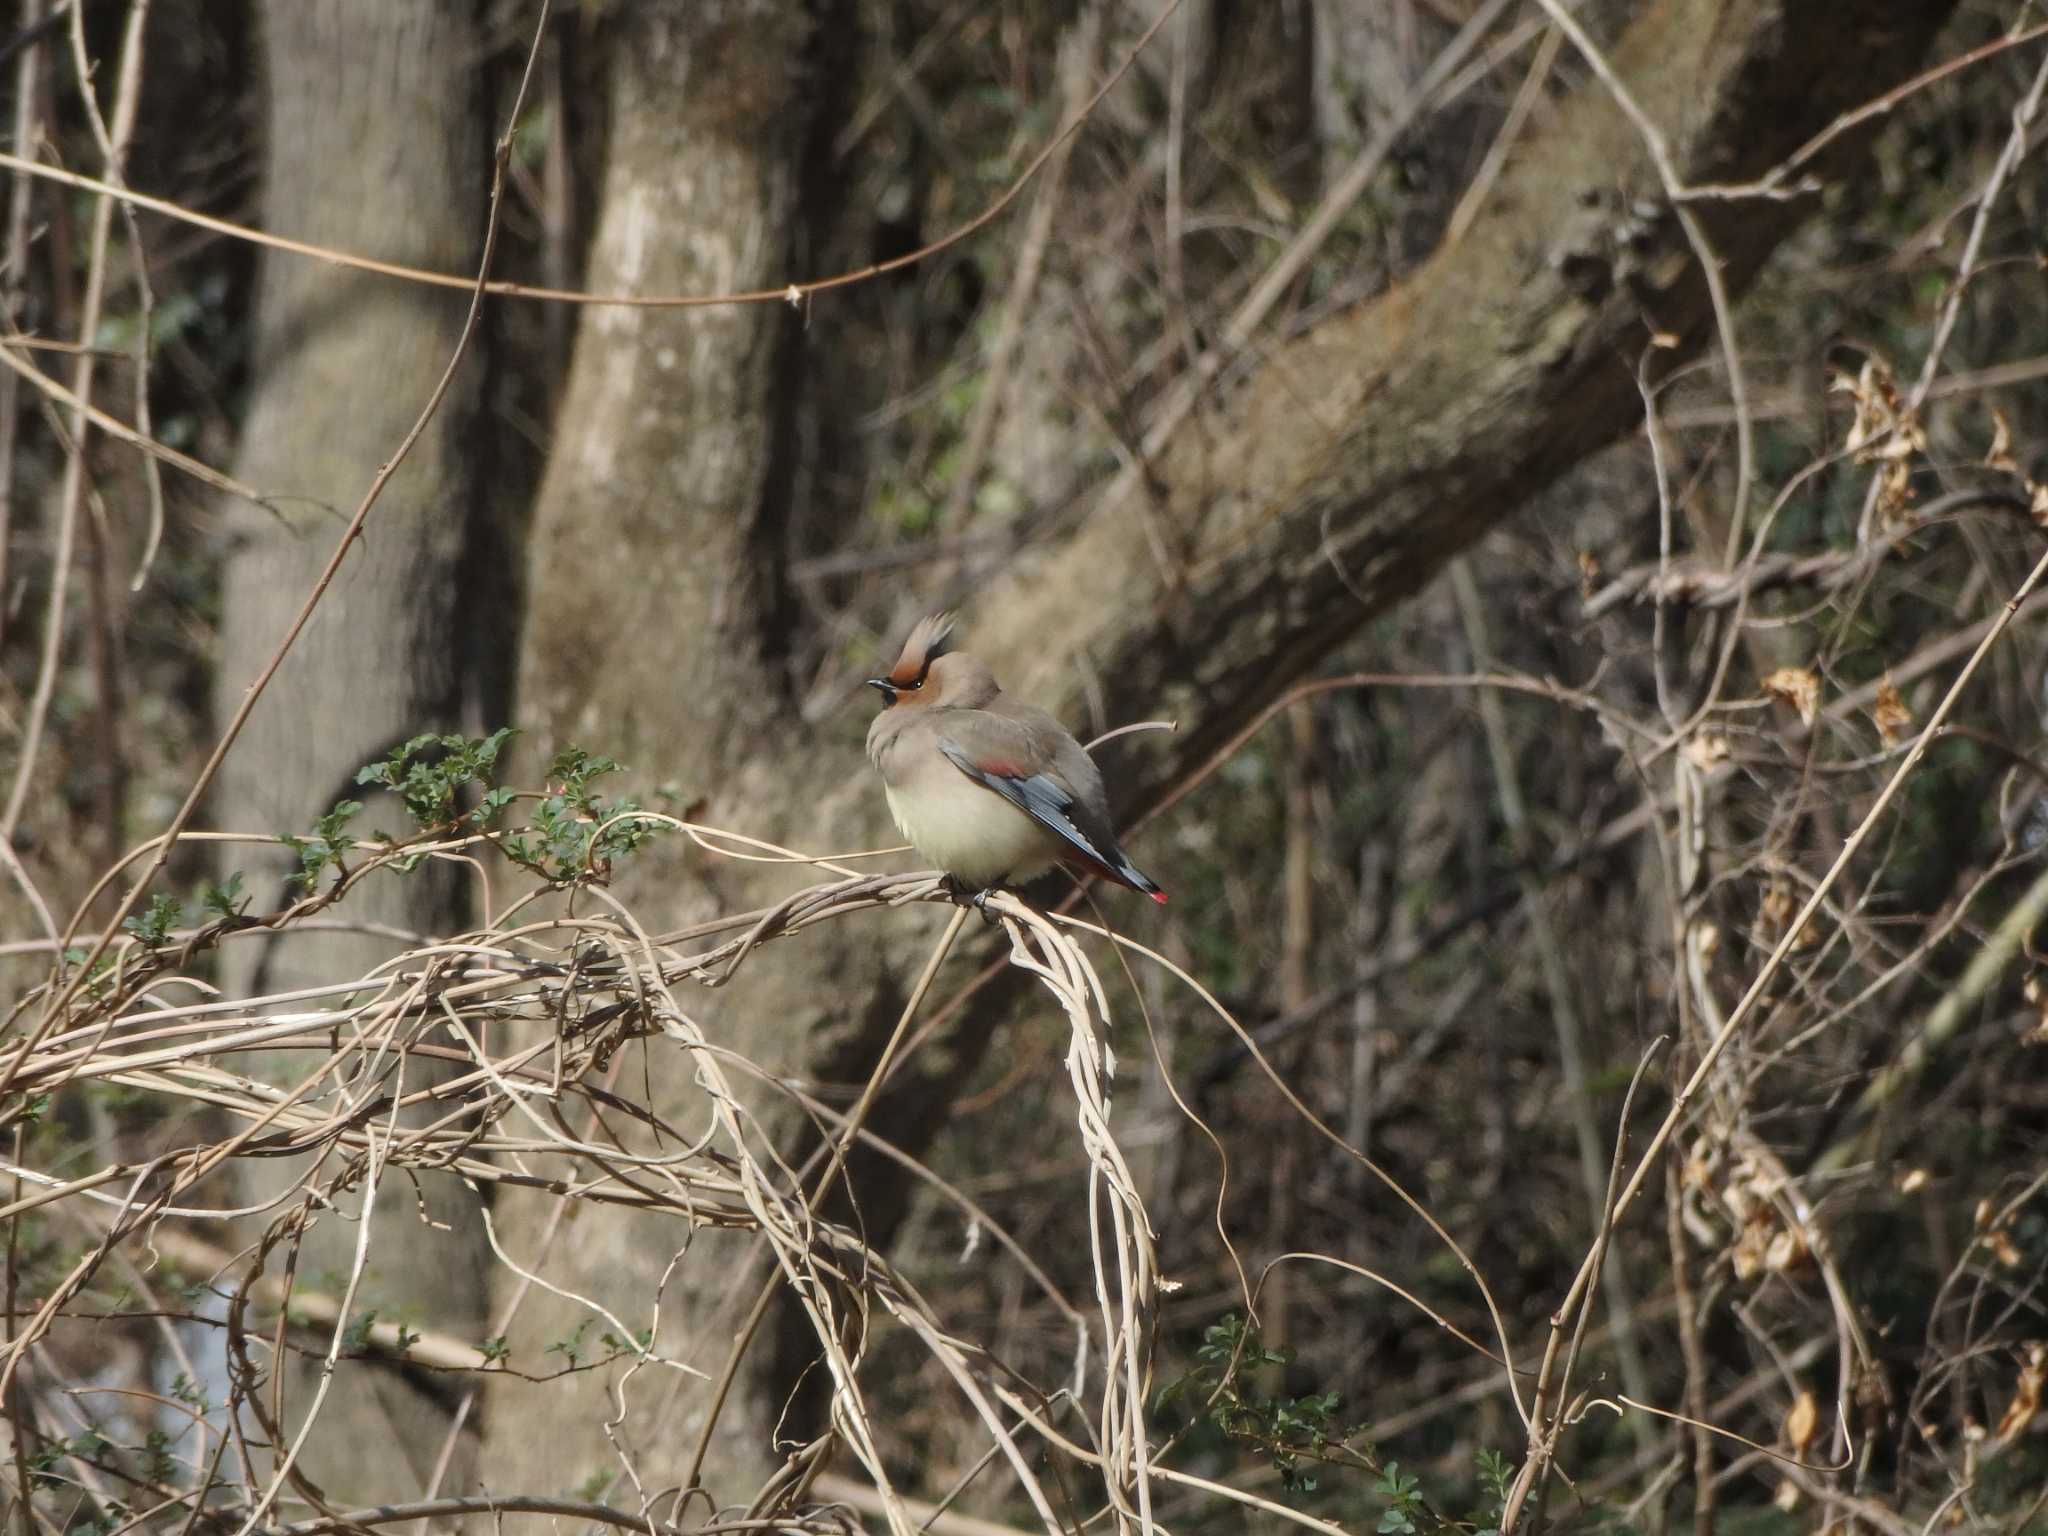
1348,469
376,143
661,622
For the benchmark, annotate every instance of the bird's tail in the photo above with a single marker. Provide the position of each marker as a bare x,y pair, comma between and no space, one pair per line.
1120,869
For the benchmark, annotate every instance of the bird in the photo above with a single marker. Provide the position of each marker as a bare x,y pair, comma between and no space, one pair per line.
991,790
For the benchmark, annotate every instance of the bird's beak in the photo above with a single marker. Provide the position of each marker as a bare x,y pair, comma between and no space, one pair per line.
886,688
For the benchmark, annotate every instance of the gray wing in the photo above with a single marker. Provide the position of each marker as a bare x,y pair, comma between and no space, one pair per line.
1062,808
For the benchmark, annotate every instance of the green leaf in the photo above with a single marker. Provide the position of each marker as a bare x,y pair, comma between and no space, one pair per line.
492,805
225,899
154,924
430,772
356,1337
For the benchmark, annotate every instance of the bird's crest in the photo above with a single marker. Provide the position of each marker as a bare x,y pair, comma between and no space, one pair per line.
927,642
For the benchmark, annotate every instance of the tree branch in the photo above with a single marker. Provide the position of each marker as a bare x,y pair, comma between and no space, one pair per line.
1368,452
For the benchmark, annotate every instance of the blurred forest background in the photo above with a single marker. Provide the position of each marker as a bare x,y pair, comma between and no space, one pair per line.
1572,473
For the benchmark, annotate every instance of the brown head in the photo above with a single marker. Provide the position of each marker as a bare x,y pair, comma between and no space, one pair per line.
927,674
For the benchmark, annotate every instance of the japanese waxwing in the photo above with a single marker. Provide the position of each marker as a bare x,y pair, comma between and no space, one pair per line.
990,790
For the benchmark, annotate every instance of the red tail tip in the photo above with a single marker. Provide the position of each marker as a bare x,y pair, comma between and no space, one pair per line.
1160,897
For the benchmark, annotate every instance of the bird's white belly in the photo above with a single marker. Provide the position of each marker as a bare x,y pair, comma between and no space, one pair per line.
973,834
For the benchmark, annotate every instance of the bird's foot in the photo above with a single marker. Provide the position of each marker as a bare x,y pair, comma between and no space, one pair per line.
978,900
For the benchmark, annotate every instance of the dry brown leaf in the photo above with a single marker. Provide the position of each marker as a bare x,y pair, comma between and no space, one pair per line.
1707,751
1873,1397
1889,713
1589,572
1746,1258
1698,1172
1914,1179
1883,430
2002,1248
1801,1423
1895,493
1797,686
2026,1394
2037,994
1999,455
1776,909
1787,1252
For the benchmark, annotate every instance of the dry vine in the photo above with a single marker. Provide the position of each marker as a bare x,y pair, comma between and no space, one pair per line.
534,1009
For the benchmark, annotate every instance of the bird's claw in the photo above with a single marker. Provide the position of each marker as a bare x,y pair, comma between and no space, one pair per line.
977,900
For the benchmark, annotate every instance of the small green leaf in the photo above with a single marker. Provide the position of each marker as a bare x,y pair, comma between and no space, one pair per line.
154,924
224,900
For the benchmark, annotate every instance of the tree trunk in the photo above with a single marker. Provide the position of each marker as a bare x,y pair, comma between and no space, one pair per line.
377,143
660,624
1350,467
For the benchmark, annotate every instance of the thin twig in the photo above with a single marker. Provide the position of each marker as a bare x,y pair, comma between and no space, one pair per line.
354,530
1740,1015
792,292
127,94
13,280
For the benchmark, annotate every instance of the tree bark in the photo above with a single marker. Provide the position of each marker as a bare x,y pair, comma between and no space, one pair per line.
1346,471
1367,453
377,143
661,620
